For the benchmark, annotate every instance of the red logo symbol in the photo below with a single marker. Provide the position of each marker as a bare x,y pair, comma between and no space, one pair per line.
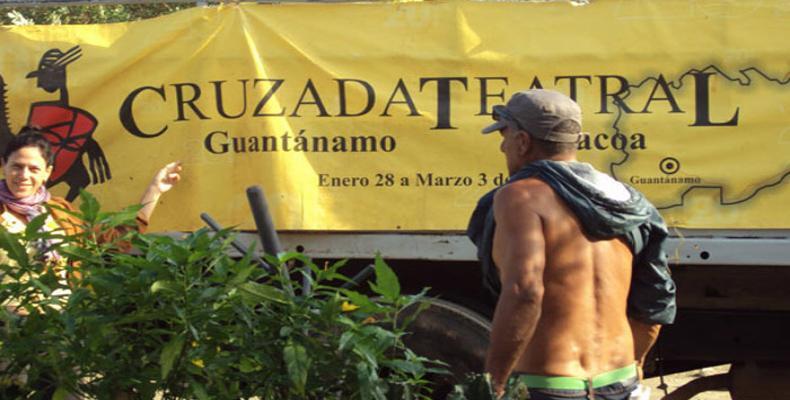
68,128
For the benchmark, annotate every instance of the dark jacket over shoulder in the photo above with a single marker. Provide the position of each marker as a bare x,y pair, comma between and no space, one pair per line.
606,209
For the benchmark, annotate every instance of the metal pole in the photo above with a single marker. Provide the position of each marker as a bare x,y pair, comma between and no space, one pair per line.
263,221
235,243
360,277
267,234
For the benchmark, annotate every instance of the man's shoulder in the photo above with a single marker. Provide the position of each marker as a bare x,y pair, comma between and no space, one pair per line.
532,187
528,194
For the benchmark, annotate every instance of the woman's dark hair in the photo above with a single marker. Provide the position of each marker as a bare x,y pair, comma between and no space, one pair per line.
30,136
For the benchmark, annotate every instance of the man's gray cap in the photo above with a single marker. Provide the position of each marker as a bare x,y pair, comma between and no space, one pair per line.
544,114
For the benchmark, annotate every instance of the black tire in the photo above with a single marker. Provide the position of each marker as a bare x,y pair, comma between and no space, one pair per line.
454,335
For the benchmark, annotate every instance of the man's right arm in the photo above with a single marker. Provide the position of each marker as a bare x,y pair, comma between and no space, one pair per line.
520,257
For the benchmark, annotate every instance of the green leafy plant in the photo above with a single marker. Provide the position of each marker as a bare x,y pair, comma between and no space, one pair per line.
181,318
480,387
49,14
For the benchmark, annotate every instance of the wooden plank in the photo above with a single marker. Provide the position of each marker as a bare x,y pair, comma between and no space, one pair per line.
747,287
724,336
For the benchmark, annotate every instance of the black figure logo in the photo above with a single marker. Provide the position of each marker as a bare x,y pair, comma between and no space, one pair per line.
68,128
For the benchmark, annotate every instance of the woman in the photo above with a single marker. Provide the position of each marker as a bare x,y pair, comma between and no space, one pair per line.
27,164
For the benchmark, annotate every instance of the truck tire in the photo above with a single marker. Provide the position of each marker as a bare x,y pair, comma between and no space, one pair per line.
452,334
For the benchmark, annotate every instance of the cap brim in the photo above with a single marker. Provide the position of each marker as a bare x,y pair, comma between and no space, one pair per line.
495,127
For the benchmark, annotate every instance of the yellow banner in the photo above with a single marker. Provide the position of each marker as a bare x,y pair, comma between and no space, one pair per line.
367,116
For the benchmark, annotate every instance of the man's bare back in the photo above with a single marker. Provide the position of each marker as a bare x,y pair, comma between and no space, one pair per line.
582,329
569,317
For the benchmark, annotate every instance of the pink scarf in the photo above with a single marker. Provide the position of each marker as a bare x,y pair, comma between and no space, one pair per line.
30,206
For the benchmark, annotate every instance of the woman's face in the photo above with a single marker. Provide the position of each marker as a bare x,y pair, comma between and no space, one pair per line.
25,171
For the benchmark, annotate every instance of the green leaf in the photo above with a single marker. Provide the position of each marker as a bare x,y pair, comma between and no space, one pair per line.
369,383
345,340
381,337
210,294
127,216
179,254
387,283
242,275
297,363
258,292
170,353
16,251
479,386
359,299
200,391
366,353
410,367
399,391
34,226
89,206
41,286
61,394
247,365
286,257
416,305
169,286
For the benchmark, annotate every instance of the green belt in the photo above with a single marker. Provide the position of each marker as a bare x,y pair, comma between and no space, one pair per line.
568,383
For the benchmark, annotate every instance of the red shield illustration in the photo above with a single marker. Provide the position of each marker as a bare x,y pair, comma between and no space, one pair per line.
67,128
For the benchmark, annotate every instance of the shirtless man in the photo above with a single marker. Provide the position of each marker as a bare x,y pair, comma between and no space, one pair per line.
573,250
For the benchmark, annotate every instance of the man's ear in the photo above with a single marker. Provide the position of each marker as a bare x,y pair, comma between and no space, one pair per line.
524,142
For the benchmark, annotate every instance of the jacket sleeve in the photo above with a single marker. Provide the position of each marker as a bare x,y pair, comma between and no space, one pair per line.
481,233
652,295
